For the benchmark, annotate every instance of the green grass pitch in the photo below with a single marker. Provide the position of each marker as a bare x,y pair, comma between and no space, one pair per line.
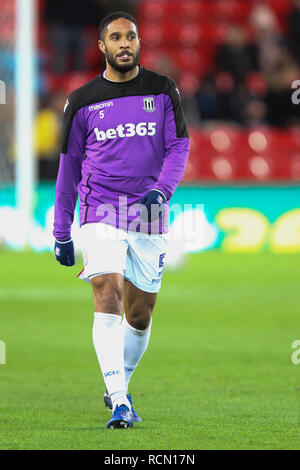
217,374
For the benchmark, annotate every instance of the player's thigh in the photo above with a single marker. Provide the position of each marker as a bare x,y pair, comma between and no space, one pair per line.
104,250
108,293
145,261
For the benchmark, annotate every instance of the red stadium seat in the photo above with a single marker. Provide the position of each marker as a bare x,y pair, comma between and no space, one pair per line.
188,83
197,164
151,10
193,10
186,60
232,10
188,33
256,84
76,80
227,154
214,32
289,147
7,31
8,8
184,10
193,60
150,57
155,35
281,7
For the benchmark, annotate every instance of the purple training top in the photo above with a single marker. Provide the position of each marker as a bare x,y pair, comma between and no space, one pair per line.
120,140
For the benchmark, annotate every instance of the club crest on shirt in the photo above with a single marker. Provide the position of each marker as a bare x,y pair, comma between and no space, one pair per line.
149,105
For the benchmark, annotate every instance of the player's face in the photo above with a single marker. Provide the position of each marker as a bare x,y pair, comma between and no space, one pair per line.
121,45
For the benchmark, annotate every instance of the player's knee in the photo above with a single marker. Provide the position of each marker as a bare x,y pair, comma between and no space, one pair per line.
139,316
107,294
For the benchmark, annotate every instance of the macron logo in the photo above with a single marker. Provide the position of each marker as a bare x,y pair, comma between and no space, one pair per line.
128,130
108,104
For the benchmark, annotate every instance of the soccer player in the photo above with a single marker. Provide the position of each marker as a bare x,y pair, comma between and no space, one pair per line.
124,150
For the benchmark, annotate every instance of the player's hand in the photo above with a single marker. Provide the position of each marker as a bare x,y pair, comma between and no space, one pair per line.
154,202
64,252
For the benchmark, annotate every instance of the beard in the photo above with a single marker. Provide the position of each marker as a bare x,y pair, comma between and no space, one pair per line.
123,68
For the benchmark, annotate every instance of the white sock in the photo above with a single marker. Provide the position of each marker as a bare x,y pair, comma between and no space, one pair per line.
135,344
109,346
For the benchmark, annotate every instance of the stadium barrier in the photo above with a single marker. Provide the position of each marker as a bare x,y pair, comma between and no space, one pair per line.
240,218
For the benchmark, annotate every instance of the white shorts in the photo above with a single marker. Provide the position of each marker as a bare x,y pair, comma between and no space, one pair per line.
139,257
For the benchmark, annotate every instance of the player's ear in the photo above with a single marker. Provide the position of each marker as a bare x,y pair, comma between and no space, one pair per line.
101,46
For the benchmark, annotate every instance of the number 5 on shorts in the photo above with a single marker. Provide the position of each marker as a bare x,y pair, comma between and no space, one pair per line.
161,263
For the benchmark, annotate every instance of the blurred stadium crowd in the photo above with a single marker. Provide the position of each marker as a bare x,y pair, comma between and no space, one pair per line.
234,60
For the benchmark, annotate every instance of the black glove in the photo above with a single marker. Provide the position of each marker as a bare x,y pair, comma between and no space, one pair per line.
64,252
154,202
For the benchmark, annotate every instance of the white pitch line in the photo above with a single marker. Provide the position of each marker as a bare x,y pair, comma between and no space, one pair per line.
46,293
55,293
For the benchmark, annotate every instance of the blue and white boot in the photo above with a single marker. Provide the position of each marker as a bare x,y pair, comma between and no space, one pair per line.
122,418
108,404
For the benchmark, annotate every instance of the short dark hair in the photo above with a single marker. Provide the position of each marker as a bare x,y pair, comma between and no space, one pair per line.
112,17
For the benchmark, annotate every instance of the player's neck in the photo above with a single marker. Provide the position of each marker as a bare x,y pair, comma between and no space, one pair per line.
116,76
